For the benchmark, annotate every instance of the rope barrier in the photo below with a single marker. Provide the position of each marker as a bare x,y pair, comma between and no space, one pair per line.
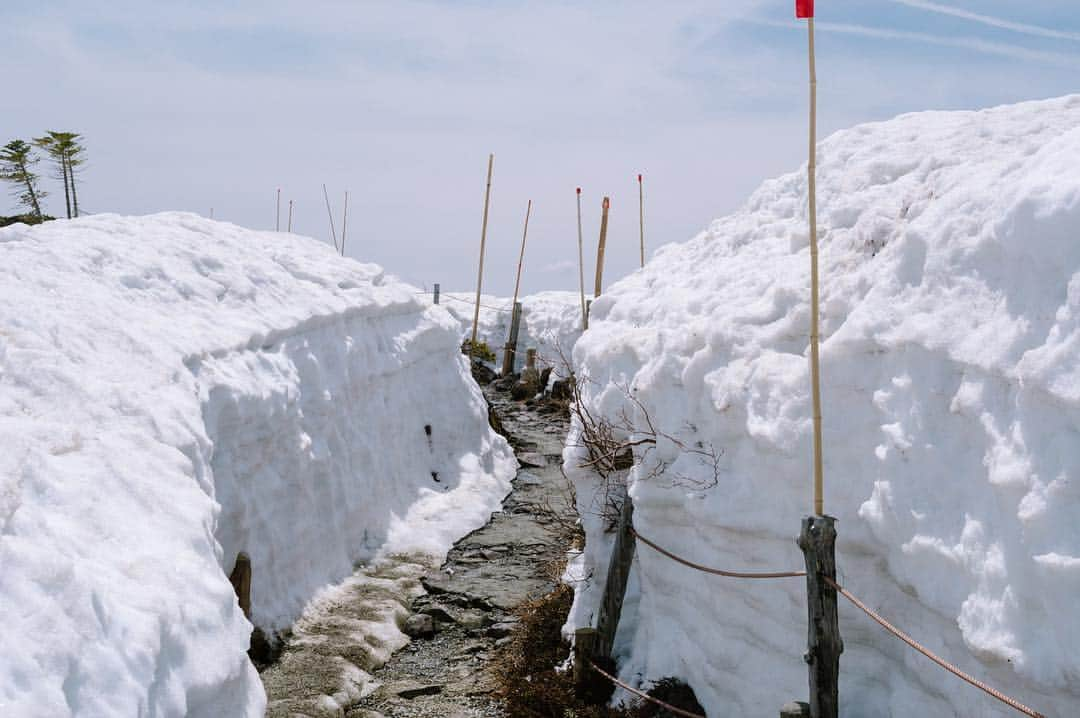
940,661
643,694
715,571
469,302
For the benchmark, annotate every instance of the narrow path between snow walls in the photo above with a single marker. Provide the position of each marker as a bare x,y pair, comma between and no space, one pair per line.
177,390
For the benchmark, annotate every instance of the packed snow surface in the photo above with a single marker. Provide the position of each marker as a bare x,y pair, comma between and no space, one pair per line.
950,260
550,323
174,391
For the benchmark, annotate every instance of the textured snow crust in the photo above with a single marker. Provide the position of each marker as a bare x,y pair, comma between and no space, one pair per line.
175,390
950,256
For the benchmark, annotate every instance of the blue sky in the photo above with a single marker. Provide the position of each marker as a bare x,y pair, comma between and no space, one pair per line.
199,104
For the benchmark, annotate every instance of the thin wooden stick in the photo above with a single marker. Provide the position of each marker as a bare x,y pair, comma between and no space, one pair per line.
600,247
333,234
641,216
521,256
290,216
581,265
815,366
480,270
344,219
277,213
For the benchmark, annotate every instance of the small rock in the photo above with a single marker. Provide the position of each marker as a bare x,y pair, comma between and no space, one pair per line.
532,459
500,630
471,620
419,625
417,691
503,642
439,614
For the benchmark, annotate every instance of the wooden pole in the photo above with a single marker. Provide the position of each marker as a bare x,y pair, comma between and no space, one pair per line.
290,216
818,543
521,256
277,212
510,350
211,213
581,265
815,365
483,241
344,218
333,234
641,216
600,247
622,557
436,292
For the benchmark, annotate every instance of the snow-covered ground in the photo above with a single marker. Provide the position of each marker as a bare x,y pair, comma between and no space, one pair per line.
175,390
951,381
550,323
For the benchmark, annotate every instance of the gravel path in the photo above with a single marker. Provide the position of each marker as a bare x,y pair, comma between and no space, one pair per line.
458,615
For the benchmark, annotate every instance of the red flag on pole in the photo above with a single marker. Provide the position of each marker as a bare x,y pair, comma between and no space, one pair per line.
804,8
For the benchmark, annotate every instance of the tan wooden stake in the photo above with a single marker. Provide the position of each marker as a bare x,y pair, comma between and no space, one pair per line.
330,215
815,366
277,213
581,265
290,216
600,247
344,219
641,216
483,241
521,256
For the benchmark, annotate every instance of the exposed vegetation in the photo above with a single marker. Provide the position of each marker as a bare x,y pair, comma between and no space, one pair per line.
17,160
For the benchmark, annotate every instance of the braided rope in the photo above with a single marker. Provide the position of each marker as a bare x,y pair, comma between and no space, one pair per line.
715,571
940,661
643,694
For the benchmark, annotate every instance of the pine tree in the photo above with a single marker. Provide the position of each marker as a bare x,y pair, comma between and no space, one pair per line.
75,155
16,159
56,145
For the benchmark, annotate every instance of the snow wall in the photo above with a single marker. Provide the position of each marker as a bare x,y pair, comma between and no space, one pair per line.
176,390
950,256
550,323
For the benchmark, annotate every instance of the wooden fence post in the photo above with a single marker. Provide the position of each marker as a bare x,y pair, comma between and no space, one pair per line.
622,556
510,352
584,650
600,248
436,292
588,309
240,578
290,216
818,543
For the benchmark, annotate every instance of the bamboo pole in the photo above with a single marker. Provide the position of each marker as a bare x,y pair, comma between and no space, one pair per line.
480,270
330,215
581,265
344,219
815,366
290,216
641,216
521,256
600,247
277,212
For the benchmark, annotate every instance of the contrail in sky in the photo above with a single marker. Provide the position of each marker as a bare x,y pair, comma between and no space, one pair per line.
990,20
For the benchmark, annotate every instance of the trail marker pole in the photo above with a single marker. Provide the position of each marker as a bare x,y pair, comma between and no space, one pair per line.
436,293
344,218
483,241
641,216
600,247
515,318
581,265
330,215
290,216
277,212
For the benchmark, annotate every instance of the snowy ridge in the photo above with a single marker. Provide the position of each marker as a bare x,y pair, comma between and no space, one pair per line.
176,390
951,382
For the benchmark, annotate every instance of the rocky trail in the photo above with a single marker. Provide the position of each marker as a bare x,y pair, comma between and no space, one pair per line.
458,615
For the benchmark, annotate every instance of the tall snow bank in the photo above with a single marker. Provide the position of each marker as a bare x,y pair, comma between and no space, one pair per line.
176,390
951,378
550,322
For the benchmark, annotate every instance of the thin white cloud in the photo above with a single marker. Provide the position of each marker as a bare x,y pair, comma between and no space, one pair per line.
1020,27
986,47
